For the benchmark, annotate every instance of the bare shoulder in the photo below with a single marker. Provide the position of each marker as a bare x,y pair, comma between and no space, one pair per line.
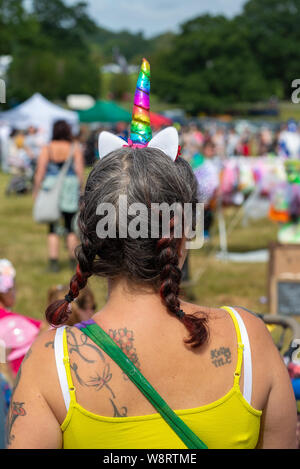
217,320
278,427
251,319
40,354
202,311
269,364
44,341
43,346
256,328
42,351
39,367
38,427
259,336
77,149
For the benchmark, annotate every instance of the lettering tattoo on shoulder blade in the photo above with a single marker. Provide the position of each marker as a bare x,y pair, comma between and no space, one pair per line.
220,356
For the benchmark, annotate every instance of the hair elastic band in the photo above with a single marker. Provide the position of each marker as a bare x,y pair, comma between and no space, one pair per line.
69,298
180,313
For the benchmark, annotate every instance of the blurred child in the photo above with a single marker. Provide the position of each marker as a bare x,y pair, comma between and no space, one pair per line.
82,309
18,159
16,331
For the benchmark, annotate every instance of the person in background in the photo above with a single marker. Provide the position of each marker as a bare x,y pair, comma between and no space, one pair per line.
275,144
219,141
245,143
18,159
192,139
122,130
82,309
254,144
7,301
50,162
91,148
289,141
4,146
266,140
86,304
32,144
81,137
207,174
232,142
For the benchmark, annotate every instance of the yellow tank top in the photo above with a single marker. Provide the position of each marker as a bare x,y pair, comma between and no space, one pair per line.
230,422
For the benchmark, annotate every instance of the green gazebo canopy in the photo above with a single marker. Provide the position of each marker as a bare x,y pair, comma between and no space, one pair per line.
105,111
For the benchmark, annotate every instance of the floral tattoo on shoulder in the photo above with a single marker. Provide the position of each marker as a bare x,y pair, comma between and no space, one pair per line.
124,339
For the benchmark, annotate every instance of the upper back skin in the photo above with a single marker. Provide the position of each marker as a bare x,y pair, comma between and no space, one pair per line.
59,150
186,378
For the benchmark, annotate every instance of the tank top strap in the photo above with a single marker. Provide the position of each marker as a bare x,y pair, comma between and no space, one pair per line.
68,367
238,369
63,366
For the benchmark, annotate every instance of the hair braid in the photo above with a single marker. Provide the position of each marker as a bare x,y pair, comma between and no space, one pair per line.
170,276
57,313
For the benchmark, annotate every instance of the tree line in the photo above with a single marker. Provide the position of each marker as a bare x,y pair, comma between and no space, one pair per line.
211,64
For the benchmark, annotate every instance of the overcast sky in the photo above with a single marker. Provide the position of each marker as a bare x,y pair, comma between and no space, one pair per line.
155,16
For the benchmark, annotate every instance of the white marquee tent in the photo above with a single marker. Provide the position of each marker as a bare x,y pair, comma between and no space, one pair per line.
39,112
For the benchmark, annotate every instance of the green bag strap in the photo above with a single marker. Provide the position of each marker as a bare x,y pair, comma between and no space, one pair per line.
105,342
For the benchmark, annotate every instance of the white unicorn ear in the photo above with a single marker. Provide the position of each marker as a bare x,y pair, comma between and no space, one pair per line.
108,142
167,141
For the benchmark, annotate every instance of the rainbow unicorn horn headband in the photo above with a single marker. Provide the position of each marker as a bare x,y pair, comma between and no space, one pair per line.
140,132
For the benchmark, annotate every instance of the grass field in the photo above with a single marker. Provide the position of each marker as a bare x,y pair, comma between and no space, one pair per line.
24,243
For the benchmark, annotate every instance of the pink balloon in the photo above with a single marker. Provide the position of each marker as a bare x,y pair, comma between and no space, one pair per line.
18,352
17,332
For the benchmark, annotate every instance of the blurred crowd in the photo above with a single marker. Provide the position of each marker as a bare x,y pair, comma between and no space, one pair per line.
19,149
208,145
242,139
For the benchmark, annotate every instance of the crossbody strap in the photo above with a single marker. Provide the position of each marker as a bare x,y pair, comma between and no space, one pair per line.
105,342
